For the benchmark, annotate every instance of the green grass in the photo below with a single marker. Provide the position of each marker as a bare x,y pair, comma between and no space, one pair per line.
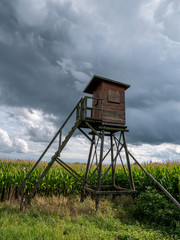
67,218
56,216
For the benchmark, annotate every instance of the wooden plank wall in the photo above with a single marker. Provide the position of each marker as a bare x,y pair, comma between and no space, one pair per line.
113,103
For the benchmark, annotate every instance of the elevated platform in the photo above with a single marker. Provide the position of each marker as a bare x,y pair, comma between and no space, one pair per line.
99,125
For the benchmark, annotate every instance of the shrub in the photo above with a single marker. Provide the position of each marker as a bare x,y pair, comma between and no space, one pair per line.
153,207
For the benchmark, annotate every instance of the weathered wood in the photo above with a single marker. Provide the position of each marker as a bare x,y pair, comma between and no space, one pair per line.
70,170
102,161
89,157
89,189
113,129
128,162
84,134
116,192
93,129
60,142
117,145
112,162
112,94
100,169
76,125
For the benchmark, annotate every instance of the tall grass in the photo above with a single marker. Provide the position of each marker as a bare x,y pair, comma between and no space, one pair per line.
65,218
58,181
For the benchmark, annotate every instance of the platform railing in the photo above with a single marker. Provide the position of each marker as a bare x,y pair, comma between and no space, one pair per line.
85,109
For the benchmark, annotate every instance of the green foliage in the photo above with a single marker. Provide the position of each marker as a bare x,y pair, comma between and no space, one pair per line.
152,207
59,181
35,223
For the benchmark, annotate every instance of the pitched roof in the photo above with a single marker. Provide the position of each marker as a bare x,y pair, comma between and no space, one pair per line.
95,81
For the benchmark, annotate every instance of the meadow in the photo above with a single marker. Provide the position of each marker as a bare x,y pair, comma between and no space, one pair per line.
57,213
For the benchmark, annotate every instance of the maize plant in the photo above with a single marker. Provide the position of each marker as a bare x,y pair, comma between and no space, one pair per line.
59,181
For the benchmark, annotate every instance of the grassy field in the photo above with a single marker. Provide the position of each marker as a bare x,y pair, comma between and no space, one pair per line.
57,212
67,218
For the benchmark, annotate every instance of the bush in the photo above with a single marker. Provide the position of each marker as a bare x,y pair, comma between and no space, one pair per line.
153,207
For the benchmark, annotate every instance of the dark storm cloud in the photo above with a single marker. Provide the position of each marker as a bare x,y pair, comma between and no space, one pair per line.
30,75
50,50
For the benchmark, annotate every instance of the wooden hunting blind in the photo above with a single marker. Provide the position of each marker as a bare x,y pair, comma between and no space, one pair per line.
112,94
102,122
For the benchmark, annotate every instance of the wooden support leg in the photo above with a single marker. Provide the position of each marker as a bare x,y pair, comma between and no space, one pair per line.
100,169
128,163
112,162
97,201
82,195
89,158
87,168
22,197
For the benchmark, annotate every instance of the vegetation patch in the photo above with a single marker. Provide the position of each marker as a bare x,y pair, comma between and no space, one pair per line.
68,218
58,181
152,207
57,213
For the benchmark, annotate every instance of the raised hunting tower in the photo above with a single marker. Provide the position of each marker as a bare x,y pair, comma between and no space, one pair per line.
101,119
112,93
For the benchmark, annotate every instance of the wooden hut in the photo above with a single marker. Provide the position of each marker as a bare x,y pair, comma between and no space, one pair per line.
111,107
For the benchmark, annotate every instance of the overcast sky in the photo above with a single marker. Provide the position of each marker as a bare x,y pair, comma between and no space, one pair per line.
50,49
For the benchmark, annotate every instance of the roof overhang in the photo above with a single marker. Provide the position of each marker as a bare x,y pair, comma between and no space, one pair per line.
95,81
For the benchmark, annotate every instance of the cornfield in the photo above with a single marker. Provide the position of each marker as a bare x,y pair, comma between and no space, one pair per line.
58,181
